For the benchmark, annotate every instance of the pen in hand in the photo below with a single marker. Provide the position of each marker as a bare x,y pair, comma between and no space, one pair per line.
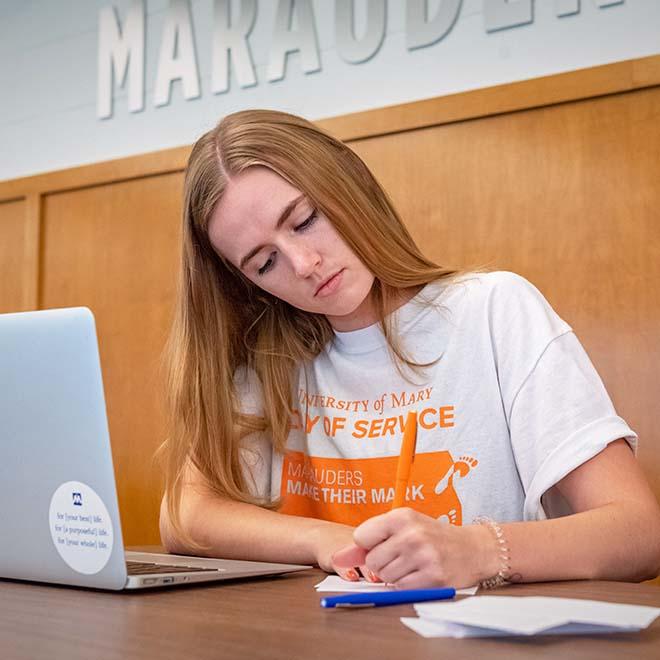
406,458
352,556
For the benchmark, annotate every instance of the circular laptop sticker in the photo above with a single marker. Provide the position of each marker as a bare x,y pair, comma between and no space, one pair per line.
81,527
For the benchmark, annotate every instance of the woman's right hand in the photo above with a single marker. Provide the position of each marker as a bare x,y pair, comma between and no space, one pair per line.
332,537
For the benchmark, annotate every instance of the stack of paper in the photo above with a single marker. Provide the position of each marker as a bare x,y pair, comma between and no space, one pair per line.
335,583
495,616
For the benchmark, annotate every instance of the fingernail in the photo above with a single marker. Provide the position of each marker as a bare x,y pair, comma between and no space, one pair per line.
372,576
352,574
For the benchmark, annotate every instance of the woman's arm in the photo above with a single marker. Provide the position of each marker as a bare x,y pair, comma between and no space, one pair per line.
235,530
614,534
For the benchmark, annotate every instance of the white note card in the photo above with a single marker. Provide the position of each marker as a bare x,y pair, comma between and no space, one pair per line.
496,616
335,583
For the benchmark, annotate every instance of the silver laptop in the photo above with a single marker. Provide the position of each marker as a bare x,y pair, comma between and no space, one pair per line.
58,502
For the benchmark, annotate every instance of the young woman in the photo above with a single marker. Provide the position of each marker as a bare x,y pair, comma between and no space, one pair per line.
309,324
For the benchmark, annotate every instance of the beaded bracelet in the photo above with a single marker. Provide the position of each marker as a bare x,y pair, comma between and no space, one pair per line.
502,576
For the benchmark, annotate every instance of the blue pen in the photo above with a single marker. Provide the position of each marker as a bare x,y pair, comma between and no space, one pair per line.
382,598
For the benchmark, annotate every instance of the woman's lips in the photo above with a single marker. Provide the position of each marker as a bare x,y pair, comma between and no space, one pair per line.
330,286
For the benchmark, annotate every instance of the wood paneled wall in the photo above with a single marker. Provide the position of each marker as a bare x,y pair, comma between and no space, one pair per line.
19,252
12,244
115,248
555,178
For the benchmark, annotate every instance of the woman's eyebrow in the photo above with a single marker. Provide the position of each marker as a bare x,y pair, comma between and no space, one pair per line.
286,212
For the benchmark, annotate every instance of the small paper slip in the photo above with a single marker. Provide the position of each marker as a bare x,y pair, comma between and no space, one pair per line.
496,616
335,583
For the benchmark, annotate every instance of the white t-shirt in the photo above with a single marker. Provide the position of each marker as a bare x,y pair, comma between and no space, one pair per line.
510,405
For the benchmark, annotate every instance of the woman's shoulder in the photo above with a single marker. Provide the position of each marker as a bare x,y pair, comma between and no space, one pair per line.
505,288
479,286
490,280
503,297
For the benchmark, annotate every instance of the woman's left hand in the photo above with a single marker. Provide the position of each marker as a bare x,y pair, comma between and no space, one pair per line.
412,550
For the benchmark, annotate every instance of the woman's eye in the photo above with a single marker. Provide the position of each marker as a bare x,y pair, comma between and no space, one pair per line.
268,265
306,224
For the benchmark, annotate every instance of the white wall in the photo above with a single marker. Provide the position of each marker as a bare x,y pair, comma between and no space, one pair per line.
48,70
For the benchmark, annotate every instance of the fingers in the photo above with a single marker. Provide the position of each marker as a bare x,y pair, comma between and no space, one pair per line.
369,575
371,563
377,549
379,528
350,556
414,580
352,575
349,574
345,561
396,570
383,554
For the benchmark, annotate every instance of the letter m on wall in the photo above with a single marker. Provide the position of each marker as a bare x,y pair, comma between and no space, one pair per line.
121,48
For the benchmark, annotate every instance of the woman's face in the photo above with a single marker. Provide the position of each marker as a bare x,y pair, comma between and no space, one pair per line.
273,234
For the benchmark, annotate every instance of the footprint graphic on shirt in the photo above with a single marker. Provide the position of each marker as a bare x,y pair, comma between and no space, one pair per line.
457,470
449,518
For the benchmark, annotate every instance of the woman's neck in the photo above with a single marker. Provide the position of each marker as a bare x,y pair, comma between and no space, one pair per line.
366,314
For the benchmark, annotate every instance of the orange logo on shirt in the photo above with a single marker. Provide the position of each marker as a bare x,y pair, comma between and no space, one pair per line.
351,490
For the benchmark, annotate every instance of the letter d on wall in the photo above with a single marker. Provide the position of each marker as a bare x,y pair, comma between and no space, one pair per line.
420,31
502,14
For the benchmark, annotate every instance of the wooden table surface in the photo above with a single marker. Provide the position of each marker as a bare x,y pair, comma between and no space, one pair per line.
274,618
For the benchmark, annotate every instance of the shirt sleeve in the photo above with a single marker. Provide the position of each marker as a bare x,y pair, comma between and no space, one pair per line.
556,406
561,417
256,450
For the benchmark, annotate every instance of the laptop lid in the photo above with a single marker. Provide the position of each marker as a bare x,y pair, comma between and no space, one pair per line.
58,502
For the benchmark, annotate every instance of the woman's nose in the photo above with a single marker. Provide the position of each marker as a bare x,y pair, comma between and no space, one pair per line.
305,261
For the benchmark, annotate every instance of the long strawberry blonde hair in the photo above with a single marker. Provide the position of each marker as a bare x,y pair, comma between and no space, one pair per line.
223,322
